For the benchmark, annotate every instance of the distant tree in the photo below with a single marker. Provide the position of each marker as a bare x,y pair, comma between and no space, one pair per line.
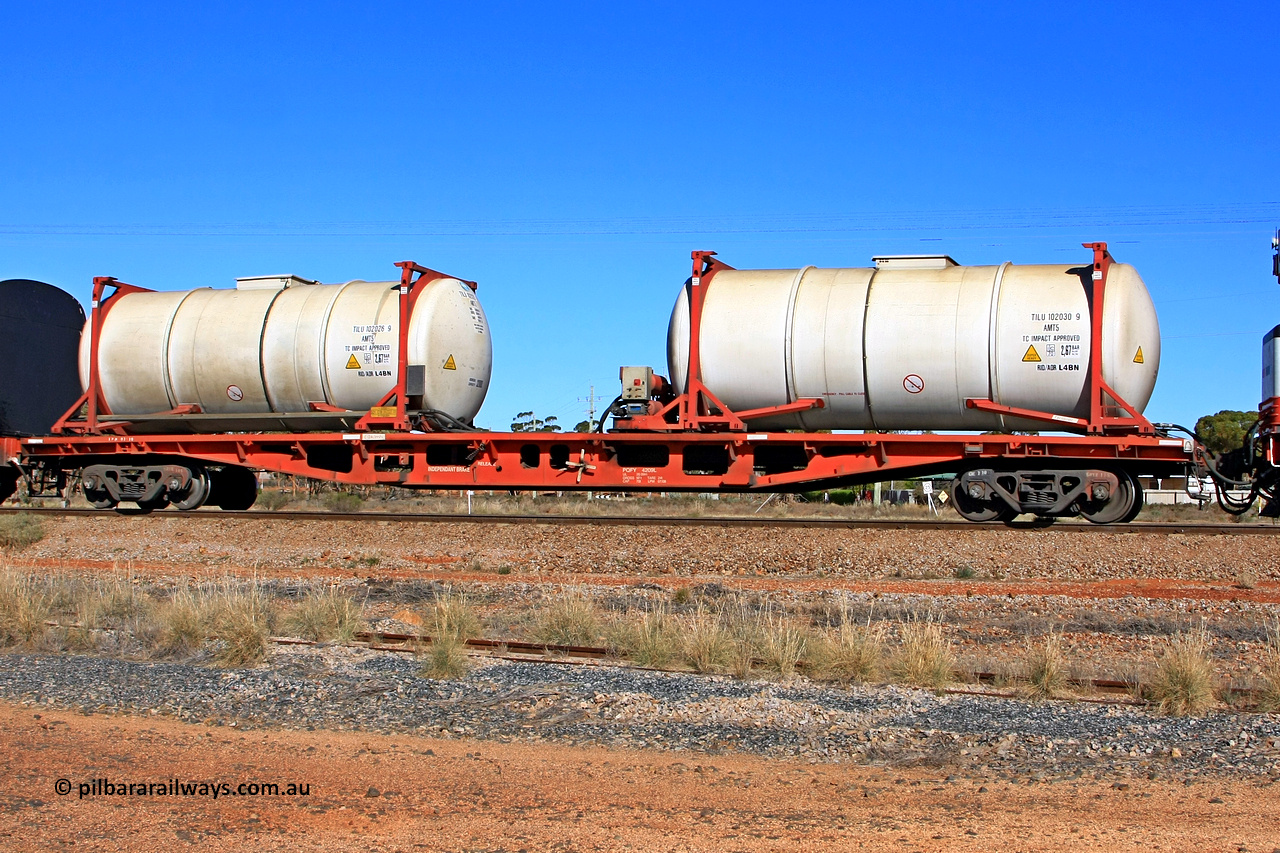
586,426
1224,432
527,422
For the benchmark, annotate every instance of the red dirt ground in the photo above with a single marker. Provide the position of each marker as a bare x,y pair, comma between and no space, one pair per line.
453,795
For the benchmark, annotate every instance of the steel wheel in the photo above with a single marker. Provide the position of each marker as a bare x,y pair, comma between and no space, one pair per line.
1117,508
196,492
974,509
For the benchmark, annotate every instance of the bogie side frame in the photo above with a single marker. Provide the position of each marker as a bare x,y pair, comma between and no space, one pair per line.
687,443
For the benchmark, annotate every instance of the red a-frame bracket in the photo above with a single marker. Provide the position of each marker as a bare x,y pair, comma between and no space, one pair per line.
389,413
1104,403
698,409
92,400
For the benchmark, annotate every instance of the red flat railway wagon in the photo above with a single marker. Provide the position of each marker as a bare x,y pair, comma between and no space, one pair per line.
660,440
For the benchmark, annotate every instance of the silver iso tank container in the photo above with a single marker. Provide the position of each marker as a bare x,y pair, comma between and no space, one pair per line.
277,344
904,344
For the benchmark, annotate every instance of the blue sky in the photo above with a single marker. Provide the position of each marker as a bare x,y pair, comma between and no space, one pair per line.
568,157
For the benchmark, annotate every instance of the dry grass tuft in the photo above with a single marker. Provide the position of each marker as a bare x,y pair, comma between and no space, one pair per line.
20,530
453,621
570,619
1269,691
25,605
924,656
324,615
183,623
852,654
782,641
649,640
453,616
112,615
240,622
1183,681
705,644
445,657
110,603
743,628
1046,668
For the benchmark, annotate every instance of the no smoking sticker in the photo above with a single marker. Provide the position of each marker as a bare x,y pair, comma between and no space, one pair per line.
913,383
234,392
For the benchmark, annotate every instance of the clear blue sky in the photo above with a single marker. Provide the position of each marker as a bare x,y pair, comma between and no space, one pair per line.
568,157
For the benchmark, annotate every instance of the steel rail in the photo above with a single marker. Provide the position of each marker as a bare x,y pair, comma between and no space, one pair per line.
516,650
1140,527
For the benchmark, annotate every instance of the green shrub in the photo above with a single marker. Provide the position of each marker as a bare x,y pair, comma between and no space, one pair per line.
20,530
343,502
274,499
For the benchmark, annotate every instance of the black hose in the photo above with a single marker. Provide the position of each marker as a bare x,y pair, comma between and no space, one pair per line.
445,422
608,410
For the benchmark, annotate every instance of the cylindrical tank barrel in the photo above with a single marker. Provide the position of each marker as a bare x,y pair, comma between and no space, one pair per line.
903,345
278,344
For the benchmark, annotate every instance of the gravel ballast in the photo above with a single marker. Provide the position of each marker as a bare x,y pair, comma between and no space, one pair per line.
341,688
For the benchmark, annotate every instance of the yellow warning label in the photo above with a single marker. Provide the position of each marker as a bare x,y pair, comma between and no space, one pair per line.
449,365
1137,357
352,364
1031,354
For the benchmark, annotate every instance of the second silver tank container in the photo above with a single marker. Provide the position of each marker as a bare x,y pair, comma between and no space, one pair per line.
904,344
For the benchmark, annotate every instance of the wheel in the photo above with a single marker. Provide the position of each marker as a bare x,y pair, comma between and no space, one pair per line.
196,493
1117,508
1137,503
974,509
96,493
153,505
233,488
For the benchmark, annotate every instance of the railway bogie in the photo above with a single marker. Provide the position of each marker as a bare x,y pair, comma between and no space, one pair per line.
160,483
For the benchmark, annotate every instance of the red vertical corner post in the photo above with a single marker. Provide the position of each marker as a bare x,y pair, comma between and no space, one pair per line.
1100,420
93,400
696,405
390,412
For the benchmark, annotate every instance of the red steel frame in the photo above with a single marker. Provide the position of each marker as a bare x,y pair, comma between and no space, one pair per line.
646,453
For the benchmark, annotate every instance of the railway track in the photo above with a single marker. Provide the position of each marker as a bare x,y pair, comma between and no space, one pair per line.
1105,691
1134,528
